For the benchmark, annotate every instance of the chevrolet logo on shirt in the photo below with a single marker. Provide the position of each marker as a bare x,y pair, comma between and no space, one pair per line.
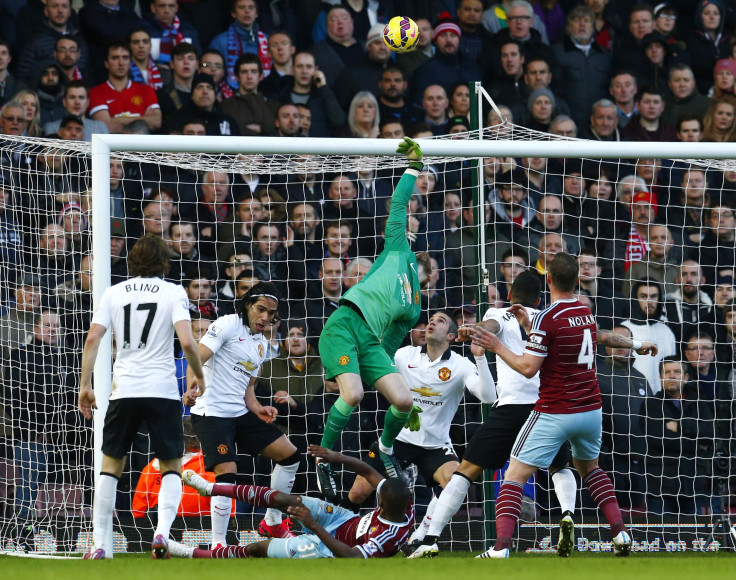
425,392
248,365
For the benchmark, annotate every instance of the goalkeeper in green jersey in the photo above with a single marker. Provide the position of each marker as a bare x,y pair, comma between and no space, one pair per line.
360,338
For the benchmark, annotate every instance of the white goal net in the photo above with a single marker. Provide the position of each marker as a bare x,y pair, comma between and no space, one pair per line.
655,241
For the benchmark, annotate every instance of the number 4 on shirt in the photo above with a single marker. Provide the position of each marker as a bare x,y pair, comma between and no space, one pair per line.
587,353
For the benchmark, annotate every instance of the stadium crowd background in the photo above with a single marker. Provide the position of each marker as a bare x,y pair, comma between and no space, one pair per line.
656,239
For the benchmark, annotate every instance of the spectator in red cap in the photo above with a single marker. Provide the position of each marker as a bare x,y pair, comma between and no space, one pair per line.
724,78
447,66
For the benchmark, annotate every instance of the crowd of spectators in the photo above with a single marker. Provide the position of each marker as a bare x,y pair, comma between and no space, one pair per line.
655,239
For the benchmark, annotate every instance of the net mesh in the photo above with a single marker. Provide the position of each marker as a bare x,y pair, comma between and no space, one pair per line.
669,461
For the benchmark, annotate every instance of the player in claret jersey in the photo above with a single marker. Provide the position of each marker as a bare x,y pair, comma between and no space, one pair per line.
562,348
333,531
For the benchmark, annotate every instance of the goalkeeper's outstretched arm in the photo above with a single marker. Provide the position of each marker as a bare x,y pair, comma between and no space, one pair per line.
397,216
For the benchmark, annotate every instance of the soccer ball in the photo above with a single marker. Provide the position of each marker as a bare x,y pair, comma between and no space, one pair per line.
401,34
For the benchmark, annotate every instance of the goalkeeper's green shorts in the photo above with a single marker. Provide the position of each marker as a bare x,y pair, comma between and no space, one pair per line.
348,345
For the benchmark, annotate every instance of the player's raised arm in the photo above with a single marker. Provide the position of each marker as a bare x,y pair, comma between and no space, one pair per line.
484,387
525,364
465,333
355,465
395,234
616,340
522,316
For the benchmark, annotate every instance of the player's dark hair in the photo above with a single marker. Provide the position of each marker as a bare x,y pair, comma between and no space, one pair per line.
259,290
149,257
526,289
395,496
453,323
564,272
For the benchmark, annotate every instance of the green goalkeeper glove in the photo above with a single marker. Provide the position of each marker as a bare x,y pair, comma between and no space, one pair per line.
414,422
413,153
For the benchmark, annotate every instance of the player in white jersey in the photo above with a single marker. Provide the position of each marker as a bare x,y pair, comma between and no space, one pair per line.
490,446
144,312
227,414
437,378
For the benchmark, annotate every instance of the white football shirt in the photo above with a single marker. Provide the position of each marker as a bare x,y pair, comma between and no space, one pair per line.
142,312
437,387
238,357
513,388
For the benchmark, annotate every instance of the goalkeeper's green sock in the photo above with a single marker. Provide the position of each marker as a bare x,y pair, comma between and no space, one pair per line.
392,425
337,419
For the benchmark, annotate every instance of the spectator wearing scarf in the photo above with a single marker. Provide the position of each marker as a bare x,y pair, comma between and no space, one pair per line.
243,36
167,30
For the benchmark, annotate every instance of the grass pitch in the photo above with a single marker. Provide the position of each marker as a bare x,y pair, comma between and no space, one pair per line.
456,566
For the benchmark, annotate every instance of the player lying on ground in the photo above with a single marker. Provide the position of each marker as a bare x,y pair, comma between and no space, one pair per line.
561,348
360,338
227,413
334,531
144,313
437,378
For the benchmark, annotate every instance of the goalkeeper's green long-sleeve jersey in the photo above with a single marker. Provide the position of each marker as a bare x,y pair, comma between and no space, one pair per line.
389,294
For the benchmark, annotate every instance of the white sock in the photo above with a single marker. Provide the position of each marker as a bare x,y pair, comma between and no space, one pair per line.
423,528
104,505
220,509
448,503
384,449
566,489
282,479
169,498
